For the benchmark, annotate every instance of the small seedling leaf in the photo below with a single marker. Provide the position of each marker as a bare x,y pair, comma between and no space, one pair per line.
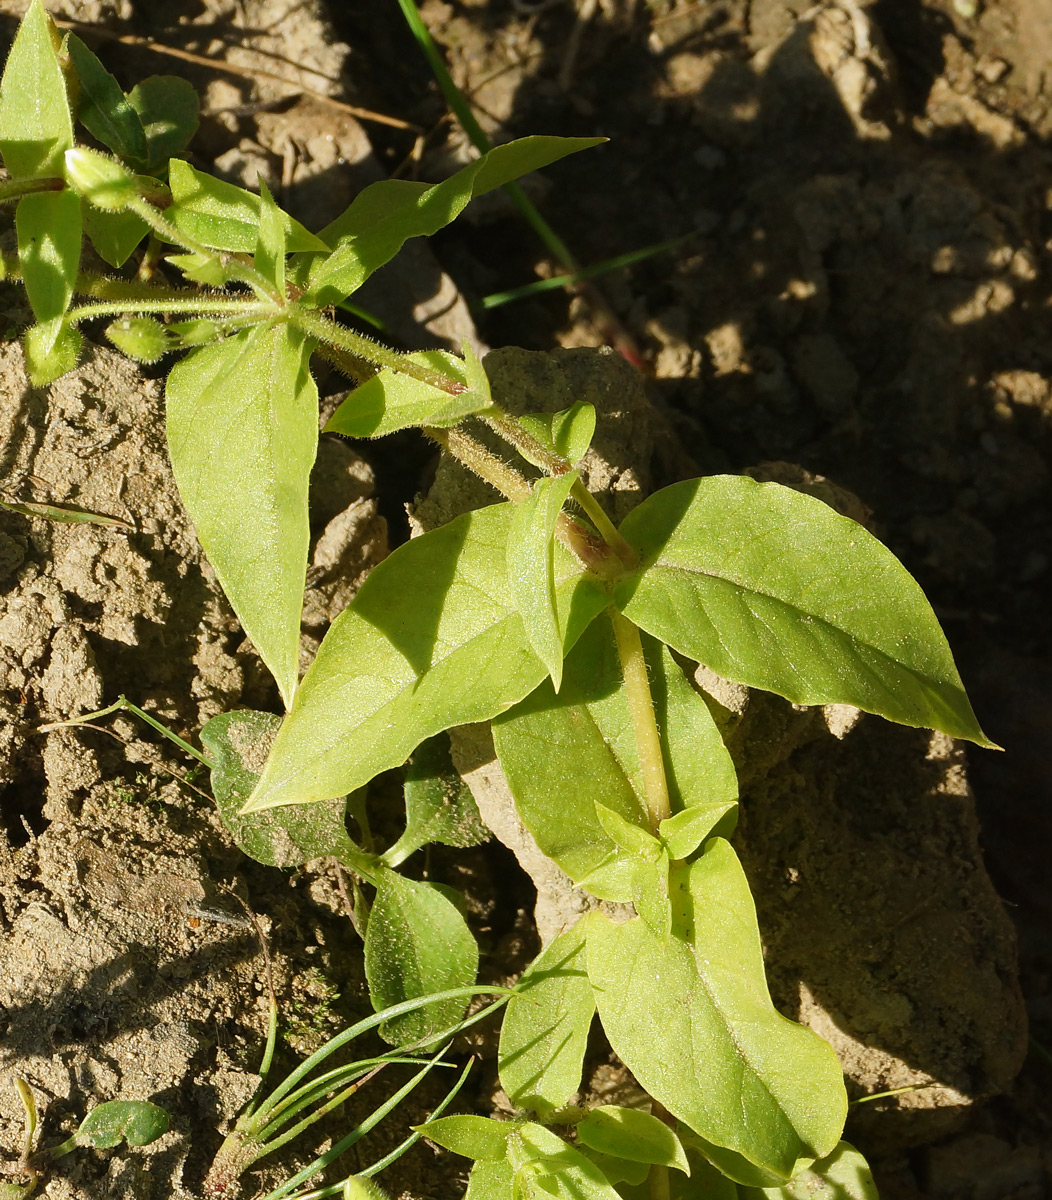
243,433
169,110
358,1187
36,127
474,372
685,831
567,433
531,551
589,725
708,1043
544,1034
546,1167
392,400
772,588
842,1175
416,943
433,639
63,514
439,806
387,214
48,225
629,1133
137,1122
223,216
269,259
51,351
104,109
237,743
479,1138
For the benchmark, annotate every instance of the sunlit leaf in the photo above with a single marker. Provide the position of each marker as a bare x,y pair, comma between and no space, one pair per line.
433,639
392,400
544,1034
690,1015
531,559
223,216
545,1166
243,432
772,588
36,127
416,943
48,226
479,1138
388,213
629,1133
491,1181
270,247
567,433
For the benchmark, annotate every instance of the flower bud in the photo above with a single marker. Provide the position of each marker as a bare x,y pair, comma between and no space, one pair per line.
100,179
141,338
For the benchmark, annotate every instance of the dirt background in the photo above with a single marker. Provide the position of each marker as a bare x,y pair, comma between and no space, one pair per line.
863,196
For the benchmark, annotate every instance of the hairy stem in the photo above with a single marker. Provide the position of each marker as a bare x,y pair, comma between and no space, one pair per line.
201,306
15,189
362,347
644,722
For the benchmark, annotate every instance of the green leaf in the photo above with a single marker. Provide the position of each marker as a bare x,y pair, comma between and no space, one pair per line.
359,1187
49,234
237,743
387,214
627,835
549,744
842,1175
474,372
51,351
685,831
567,433
629,1133
416,943
433,639
545,1167
392,400
36,127
137,1122
169,111
269,258
243,433
64,514
491,1181
479,1138
544,1034
104,109
199,268
772,588
114,234
100,179
531,564
223,216
617,1170
439,806
691,1017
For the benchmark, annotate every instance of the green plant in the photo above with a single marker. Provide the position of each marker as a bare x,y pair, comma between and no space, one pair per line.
537,614
107,1126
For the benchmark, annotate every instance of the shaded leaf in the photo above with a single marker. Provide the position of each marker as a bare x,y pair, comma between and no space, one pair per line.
169,110
433,639
237,743
544,1034
549,744
48,225
416,943
223,216
842,1175
114,234
545,1166
531,564
707,1042
64,514
137,1122
387,214
36,127
243,433
51,351
439,806
772,588
104,110
392,400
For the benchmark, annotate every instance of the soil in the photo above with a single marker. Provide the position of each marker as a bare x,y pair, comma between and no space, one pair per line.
860,200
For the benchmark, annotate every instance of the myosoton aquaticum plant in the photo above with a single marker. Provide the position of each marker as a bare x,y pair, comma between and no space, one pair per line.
536,614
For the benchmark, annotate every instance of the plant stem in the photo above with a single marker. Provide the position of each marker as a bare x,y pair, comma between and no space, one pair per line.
658,1182
611,534
360,346
644,722
486,465
123,702
15,189
202,306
